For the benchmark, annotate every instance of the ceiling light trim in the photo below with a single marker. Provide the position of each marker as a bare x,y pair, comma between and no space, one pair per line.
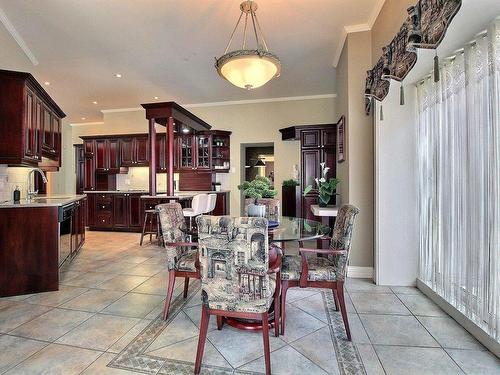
17,37
346,30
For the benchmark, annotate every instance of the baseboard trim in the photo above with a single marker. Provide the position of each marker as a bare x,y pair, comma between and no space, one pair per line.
360,272
461,319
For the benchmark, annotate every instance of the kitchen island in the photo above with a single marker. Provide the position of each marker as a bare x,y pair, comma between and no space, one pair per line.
36,238
123,210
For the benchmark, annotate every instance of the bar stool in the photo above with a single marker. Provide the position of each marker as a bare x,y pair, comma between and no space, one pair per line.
198,207
149,217
211,202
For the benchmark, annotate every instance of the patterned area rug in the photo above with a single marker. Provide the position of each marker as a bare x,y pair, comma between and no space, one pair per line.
169,347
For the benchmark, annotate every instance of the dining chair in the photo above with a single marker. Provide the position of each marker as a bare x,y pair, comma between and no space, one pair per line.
327,271
182,255
236,281
272,207
211,202
198,206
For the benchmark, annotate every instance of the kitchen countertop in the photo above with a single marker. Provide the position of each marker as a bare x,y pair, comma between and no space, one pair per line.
43,201
183,194
115,191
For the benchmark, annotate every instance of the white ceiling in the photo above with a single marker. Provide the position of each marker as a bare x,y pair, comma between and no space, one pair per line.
166,48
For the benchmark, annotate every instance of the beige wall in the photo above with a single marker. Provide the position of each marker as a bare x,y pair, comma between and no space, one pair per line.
356,172
250,123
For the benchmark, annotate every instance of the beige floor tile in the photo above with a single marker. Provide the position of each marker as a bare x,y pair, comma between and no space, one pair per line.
396,330
398,360
449,334
65,293
421,305
19,313
13,350
318,348
154,285
119,345
370,359
476,362
365,285
299,324
57,359
146,270
89,279
179,329
406,290
134,305
94,300
100,367
98,332
286,361
122,283
378,303
51,325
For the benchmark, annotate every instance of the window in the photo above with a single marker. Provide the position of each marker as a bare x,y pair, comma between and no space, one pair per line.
459,181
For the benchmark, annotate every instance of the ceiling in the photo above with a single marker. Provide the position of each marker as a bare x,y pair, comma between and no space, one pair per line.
166,48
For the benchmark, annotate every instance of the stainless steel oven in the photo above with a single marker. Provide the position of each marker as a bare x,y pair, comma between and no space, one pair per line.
66,217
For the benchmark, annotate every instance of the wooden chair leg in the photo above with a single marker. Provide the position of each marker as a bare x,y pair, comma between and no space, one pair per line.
205,317
277,313
284,288
143,228
220,322
335,299
150,228
186,287
170,292
340,295
265,336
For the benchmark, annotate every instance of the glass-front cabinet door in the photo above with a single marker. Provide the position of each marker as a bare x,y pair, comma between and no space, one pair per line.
203,151
186,152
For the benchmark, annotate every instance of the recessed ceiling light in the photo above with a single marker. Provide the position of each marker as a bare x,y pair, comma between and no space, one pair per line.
156,98
84,118
185,130
47,83
94,102
118,75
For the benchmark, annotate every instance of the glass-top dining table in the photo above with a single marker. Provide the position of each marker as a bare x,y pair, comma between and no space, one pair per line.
295,229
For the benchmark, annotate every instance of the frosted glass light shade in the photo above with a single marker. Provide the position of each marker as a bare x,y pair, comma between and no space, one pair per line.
248,69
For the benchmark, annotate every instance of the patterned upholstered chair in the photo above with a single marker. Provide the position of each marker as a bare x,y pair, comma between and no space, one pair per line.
236,281
182,256
328,271
272,207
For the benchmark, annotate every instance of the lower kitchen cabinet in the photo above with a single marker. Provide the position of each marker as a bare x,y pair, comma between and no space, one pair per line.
115,211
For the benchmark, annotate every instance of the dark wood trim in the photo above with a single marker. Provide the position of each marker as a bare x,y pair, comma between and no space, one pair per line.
160,112
170,156
152,157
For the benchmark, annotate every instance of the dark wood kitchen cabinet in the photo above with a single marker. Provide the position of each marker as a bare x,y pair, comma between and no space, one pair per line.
187,152
89,165
115,211
107,156
134,151
317,145
30,121
162,154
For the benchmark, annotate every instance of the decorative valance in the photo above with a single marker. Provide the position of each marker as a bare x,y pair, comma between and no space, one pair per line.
425,27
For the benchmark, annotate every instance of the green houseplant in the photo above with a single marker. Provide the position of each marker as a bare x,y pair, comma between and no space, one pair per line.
290,183
260,187
326,186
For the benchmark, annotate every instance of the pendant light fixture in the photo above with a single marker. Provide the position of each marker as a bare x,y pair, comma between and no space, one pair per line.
260,163
248,68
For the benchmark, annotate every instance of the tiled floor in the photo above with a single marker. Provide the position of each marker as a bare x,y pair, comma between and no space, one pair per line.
114,289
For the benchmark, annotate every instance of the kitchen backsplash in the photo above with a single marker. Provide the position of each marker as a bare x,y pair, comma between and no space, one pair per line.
10,177
138,179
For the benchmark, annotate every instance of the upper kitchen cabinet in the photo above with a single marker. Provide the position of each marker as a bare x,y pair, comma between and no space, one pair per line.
107,155
30,121
134,151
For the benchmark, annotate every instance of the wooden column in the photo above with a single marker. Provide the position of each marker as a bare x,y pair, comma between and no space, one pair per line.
152,157
170,153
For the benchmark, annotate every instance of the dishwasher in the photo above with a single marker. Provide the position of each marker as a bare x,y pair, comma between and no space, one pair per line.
66,217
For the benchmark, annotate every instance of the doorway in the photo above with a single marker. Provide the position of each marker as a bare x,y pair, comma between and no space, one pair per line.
257,160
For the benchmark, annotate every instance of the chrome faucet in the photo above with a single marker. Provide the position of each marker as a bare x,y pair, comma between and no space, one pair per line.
31,193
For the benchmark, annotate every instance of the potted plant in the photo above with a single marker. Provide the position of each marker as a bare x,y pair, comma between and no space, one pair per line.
260,187
326,187
217,186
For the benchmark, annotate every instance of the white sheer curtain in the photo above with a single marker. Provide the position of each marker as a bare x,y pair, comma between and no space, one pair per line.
459,181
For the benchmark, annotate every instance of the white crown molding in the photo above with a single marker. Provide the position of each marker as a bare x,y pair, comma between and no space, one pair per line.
257,101
233,102
346,30
86,123
17,37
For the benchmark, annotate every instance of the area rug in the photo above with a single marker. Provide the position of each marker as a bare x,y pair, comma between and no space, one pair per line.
148,352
